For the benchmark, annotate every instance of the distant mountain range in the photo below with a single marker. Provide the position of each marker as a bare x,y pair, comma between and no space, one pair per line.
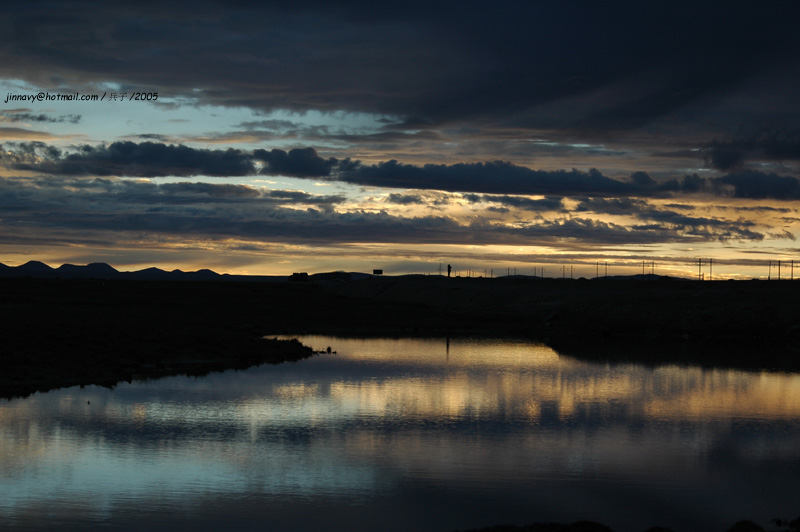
101,270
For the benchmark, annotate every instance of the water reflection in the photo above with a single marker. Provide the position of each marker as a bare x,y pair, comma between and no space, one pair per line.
408,434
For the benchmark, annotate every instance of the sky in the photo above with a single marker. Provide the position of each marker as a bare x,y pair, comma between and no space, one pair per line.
560,138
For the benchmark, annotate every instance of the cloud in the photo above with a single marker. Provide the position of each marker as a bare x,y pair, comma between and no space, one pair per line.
302,197
426,63
299,162
665,219
406,199
145,159
503,178
19,115
621,206
152,159
213,190
780,145
496,177
34,209
528,204
16,133
759,185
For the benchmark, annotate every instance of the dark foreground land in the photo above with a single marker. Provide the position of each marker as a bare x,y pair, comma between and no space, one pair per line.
64,332
590,526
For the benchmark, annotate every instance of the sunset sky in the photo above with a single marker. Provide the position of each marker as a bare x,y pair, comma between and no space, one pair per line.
317,136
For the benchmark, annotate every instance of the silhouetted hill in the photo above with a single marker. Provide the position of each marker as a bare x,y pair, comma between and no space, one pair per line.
34,266
101,270
151,274
202,275
96,270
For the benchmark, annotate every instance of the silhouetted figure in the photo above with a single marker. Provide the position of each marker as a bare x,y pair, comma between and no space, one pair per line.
448,270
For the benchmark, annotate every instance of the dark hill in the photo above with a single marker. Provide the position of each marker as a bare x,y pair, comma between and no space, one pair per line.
97,270
34,266
101,268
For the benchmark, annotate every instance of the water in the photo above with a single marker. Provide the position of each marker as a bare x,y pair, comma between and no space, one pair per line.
423,435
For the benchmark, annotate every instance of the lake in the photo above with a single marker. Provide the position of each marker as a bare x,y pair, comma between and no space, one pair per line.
408,434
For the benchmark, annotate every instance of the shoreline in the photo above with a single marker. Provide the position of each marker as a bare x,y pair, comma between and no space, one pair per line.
61,333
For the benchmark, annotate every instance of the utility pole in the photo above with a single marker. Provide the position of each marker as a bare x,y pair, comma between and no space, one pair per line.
710,269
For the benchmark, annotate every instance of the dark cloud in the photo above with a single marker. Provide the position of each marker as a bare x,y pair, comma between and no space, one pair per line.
502,177
406,199
759,185
299,162
492,177
22,152
151,159
664,218
772,145
427,63
101,206
146,159
302,197
621,206
213,190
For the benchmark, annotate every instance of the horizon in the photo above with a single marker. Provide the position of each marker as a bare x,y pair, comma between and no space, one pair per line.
703,273
259,140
